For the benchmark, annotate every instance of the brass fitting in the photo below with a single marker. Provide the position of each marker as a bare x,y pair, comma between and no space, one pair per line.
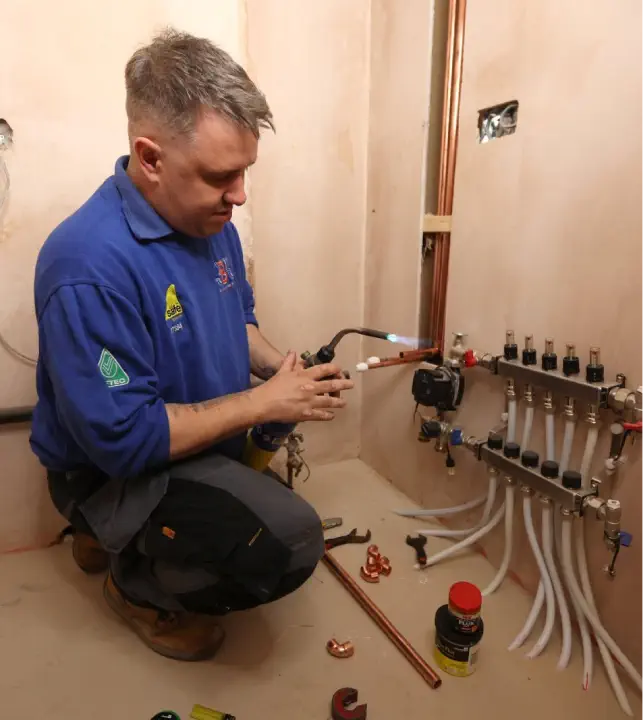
528,395
549,403
570,406
591,418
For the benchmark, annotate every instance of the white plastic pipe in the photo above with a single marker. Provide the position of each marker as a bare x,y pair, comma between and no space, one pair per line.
548,552
511,420
526,629
550,436
467,542
586,587
491,498
568,442
443,512
550,600
510,491
588,454
587,610
526,432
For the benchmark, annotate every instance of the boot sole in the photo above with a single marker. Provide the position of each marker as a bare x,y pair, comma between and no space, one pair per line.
207,654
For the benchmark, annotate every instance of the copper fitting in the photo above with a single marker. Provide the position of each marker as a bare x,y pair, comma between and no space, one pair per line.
340,650
371,576
373,564
385,566
373,552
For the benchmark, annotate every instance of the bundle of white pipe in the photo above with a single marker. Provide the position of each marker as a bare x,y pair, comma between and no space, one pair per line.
585,583
490,500
443,512
467,542
596,624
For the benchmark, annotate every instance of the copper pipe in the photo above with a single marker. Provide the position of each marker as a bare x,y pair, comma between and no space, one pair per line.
392,362
448,152
403,645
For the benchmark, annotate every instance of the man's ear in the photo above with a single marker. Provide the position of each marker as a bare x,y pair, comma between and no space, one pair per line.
148,154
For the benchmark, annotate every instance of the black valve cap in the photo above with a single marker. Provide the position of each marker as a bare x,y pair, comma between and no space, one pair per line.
512,450
494,441
431,429
549,361
571,366
549,469
511,351
572,480
595,374
529,357
530,459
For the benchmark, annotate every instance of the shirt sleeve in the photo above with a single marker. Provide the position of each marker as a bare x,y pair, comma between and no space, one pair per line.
99,357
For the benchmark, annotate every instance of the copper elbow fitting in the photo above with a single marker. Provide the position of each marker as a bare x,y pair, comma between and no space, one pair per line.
373,563
385,566
371,576
373,552
340,650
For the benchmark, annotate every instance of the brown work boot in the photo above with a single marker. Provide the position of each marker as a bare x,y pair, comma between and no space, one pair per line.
180,636
88,554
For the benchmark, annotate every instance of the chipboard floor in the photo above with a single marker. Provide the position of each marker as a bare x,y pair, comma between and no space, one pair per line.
65,656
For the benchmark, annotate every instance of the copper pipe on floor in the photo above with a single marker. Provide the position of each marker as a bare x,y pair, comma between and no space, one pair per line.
448,152
403,645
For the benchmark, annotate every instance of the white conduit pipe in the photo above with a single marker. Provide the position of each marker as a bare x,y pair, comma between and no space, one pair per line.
568,442
589,613
550,614
510,491
548,552
467,542
550,436
511,420
491,498
608,662
526,432
443,512
536,607
588,454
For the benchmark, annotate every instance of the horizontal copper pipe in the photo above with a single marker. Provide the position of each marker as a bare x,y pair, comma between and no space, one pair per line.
410,356
427,673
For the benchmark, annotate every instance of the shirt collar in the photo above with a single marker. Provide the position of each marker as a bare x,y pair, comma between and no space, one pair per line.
144,222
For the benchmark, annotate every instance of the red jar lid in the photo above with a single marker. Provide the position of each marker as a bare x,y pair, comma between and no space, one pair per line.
465,598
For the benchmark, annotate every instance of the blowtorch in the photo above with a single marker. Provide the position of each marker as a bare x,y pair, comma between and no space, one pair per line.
265,440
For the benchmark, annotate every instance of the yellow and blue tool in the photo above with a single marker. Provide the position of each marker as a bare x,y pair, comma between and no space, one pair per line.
265,440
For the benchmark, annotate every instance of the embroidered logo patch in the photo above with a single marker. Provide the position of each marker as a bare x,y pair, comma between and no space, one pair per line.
112,370
225,276
173,307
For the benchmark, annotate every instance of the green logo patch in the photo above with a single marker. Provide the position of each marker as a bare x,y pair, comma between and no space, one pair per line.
112,370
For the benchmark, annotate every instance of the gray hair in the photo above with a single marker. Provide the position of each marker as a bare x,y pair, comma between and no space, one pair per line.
178,75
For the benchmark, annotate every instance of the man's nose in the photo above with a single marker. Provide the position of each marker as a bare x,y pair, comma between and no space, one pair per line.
236,193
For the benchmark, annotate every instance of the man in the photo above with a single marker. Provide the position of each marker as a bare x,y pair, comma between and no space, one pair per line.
148,338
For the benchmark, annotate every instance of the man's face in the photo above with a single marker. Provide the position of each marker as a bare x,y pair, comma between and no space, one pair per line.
196,181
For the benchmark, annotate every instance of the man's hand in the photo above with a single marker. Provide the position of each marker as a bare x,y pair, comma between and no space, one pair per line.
296,394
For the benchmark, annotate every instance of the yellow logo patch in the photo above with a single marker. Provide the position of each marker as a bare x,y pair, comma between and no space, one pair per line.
173,307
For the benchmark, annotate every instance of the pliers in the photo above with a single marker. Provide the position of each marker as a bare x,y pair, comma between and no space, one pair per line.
351,537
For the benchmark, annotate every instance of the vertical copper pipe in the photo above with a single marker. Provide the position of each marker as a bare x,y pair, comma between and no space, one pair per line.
448,149
427,673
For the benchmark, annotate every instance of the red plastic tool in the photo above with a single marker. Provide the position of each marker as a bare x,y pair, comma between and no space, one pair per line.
340,702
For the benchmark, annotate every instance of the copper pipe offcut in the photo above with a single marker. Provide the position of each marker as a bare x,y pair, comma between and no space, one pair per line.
427,673
404,358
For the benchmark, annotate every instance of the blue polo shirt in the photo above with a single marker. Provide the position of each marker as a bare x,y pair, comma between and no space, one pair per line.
132,315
